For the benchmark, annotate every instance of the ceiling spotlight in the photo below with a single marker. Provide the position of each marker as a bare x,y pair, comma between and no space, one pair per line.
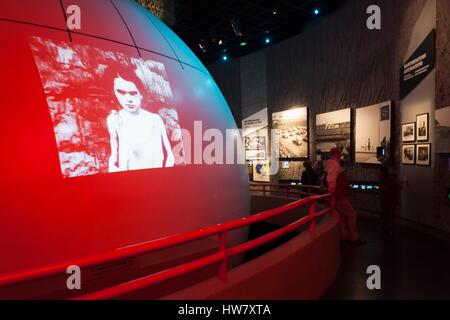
274,12
236,29
316,11
220,42
267,41
202,46
224,57
243,44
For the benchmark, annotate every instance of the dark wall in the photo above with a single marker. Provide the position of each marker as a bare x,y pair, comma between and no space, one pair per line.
227,76
443,54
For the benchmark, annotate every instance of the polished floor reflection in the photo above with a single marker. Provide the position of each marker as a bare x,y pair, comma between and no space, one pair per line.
413,265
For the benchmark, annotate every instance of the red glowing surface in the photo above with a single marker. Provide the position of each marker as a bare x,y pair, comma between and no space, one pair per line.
46,218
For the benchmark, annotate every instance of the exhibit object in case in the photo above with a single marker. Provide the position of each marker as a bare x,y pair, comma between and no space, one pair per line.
408,153
423,154
291,127
334,130
373,133
422,125
409,132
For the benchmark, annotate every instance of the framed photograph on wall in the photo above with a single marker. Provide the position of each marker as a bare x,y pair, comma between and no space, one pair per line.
422,127
291,127
423,154
408,153
409,132
373,138
261,171
334,130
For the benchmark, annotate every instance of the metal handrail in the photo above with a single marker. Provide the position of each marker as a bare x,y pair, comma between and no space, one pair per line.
143,248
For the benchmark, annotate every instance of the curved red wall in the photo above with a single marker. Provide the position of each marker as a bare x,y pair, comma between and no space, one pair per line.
47,218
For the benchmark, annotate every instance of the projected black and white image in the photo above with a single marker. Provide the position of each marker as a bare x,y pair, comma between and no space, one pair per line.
291,127
110,112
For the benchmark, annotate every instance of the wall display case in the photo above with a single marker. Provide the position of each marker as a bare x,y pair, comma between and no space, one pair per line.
290,170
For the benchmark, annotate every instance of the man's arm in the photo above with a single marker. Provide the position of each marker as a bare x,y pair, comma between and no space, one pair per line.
170,158
112,122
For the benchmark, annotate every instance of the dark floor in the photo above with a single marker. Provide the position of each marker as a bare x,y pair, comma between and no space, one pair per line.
413,265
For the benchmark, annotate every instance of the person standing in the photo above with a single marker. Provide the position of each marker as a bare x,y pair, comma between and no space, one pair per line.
309,176
339,185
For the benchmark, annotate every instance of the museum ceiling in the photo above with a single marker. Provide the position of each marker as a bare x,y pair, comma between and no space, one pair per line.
213,29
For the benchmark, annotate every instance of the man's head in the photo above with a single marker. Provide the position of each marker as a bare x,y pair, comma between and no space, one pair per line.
128,88
335,153
307,164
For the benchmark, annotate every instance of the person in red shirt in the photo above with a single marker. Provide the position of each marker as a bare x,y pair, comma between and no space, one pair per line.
339,185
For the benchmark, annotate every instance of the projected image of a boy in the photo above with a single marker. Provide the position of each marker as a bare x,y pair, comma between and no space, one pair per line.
138,137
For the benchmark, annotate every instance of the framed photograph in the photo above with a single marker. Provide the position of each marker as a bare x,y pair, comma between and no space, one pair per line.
334,130
408,153
422,127
423,154
409,132
385,111
373,136
291,127
261,171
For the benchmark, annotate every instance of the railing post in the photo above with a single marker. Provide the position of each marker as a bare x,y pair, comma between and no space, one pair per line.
312,217
264,190
223,267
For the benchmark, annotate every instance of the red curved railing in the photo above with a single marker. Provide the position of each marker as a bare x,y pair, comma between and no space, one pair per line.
222,256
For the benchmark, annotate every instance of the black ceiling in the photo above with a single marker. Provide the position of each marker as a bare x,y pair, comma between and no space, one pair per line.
208,21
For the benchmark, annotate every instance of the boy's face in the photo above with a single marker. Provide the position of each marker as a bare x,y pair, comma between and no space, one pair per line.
127,94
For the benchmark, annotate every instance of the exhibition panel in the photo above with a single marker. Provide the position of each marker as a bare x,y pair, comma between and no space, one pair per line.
291,127
372,131
334,130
